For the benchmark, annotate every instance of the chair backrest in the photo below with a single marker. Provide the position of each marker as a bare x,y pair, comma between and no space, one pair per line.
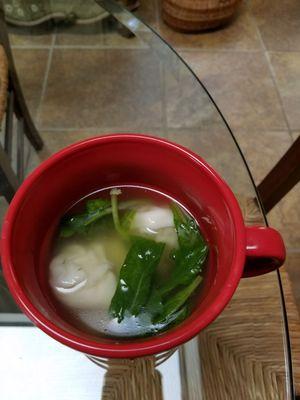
9,180
282,178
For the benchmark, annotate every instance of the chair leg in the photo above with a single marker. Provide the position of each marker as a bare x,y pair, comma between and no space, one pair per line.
8,180
20,105
22,112
282,178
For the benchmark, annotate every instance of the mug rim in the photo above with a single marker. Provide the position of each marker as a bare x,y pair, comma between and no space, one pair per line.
152,344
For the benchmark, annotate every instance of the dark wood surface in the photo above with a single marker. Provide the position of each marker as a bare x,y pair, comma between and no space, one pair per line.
282,178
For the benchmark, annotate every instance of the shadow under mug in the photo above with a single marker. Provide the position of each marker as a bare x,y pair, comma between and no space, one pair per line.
118,160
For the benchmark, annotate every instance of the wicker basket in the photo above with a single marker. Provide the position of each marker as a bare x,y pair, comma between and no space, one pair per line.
198,15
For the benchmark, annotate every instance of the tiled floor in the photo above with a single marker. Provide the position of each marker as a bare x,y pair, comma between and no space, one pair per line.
251,68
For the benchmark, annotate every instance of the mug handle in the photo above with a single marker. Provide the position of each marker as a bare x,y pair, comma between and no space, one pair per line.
265,250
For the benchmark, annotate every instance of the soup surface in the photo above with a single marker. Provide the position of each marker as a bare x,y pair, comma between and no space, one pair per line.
127,262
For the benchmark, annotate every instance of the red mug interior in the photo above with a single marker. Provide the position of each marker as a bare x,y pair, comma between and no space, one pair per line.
118,160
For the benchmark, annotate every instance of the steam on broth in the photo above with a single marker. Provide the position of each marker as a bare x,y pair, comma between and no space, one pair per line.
128,264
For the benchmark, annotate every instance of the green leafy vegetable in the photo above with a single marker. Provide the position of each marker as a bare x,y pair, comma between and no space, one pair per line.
169,300
154,305
122,225
127,219
187,230
172,319
94,210
97,204
114,193
174,303
190,256
136,277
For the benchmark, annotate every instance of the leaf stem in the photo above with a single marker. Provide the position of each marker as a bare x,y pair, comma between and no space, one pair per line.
114,193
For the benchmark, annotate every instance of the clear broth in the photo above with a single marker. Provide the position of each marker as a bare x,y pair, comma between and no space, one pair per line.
99,321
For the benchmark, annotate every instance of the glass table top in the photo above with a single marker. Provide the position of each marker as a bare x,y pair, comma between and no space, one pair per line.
108,72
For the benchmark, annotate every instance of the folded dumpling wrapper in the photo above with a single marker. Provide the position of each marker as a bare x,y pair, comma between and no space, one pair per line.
150,219
82,277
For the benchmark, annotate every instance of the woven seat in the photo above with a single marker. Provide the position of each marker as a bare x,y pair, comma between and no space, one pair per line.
3,82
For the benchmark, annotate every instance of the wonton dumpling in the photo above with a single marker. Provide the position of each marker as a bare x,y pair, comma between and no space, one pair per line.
149,219
81,276
95,297
168,236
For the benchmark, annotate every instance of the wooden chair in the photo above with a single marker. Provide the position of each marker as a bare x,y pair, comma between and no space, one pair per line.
276,184
12,104
282,178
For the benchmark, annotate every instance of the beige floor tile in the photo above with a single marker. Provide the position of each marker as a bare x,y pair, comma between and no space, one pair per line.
187,103
262,150
40,35
116,35
80,35
240,34
242,87
295,134
287,74
53,142
147,11
286,218
104,88
217,147
278,22
31,68
57,140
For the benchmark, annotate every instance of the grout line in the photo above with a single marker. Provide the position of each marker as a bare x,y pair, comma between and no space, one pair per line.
142,46
107,46
95,129
163,126
31,47
292,250
163,96
273,74
204,50
273,77
157,8
79,47
44,87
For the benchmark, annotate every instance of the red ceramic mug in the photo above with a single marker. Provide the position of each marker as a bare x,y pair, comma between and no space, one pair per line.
115,160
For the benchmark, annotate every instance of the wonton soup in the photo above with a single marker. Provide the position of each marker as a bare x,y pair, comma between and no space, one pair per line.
127,262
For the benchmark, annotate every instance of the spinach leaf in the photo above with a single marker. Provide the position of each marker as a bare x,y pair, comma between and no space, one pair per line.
96,209
79,223
187,230
127,219
175,318
175,302
136,277
172,319
97,204
188,264
122,224
114,193
190,256
154,305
